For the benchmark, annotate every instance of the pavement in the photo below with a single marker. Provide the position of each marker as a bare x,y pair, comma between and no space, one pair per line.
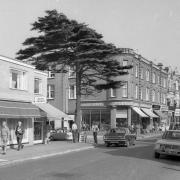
40,151
100,163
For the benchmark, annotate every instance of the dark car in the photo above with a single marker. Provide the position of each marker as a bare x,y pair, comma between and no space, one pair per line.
61,134
119,137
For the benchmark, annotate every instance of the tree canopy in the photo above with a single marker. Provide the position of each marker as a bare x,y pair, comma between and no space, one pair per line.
63,43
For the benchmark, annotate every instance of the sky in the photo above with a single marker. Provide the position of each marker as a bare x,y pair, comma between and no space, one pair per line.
150,27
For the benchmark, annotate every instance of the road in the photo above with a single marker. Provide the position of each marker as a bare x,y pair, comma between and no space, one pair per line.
100,163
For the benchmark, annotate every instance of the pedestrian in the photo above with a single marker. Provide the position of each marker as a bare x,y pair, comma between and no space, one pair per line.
95,130
74,132
4,136
48,133
19,135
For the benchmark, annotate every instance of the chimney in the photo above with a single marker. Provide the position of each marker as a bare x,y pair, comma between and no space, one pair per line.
160,65
166,69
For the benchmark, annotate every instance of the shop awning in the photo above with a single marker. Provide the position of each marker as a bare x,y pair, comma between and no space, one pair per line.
52,112
160,114
138,111
11,109
149,113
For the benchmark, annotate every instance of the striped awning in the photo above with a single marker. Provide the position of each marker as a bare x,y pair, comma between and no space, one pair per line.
13,109
138,111
149,113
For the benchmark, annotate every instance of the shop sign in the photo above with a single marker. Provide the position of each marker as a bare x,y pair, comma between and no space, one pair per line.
164,108
40,99
92,104
156,107
177,112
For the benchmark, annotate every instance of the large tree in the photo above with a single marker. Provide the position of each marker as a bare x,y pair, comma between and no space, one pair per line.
63,43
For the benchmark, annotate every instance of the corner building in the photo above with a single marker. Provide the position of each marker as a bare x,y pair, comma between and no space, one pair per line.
141,101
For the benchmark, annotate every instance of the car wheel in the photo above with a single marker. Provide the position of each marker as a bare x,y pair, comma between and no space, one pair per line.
108,144
51,138
156,155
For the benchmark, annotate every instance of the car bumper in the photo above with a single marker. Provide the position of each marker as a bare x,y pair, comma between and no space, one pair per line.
169,152
114,141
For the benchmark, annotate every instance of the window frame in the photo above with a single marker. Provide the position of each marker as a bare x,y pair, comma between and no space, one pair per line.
112,92
49,90
40,85
123,90
74,97
22,81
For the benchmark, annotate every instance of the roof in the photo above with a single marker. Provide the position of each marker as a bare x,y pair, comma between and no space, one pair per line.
21,63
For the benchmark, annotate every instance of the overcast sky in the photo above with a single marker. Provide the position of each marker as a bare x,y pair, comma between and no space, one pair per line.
151,27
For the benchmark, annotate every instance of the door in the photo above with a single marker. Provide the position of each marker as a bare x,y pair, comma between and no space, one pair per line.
38,132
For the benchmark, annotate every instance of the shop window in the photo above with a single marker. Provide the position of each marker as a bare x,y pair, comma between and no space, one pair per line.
101,117
72,92
18,80
37,86
12,123
125,90
51,91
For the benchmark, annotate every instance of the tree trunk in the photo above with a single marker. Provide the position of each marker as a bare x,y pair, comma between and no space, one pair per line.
78,96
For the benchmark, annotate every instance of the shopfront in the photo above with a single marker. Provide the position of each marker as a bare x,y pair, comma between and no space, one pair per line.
12,112
101,117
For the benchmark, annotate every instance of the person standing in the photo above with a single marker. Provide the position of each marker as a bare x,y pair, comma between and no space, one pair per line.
95,130
74,132
19,135
48,133
4,136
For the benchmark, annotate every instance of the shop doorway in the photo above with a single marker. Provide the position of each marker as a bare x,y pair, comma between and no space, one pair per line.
38,132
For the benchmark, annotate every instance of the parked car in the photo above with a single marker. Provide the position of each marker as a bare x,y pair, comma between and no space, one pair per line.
119,136
169,144
61,134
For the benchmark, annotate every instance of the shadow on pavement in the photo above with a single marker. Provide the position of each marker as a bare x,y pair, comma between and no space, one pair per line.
143,150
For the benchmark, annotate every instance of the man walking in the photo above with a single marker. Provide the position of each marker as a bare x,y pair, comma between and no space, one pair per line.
95,130
4,136
19,135
74,132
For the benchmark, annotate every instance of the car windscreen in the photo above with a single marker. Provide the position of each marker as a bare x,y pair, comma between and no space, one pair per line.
172,135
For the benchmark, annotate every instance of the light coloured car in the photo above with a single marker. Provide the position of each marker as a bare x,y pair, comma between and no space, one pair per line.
169,144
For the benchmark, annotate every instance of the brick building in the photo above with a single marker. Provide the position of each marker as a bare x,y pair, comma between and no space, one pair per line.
141,101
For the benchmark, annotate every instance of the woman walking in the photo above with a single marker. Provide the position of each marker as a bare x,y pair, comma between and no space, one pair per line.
4,136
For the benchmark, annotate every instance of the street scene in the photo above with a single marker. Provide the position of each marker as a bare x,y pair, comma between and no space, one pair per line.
89,90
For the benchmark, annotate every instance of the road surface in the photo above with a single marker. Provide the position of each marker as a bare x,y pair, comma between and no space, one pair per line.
100,163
